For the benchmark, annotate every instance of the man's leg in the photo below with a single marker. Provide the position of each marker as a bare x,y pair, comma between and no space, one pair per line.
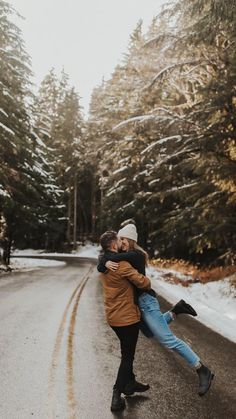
128,336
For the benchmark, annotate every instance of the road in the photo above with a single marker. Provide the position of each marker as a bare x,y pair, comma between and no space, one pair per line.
58,357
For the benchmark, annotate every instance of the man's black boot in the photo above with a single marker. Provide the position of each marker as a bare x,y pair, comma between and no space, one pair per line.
135,387
117,402
183,308
205,378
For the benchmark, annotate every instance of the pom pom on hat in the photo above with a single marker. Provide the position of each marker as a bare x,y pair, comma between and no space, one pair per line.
129,232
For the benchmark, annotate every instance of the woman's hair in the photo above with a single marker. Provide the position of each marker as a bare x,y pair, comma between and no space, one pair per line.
134,246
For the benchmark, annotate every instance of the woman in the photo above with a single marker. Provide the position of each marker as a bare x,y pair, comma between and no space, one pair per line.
149,306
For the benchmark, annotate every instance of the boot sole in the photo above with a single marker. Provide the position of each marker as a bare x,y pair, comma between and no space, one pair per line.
202,394
127,393
118,409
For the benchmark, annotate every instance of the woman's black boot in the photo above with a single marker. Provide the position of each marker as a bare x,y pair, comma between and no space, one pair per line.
205,378
183,308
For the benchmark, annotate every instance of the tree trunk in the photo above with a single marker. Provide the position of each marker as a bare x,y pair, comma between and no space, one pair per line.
69,216
84,218
101,209
75,214
93,208
7,251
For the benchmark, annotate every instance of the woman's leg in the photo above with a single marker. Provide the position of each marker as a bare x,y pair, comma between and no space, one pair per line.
157,323
168,316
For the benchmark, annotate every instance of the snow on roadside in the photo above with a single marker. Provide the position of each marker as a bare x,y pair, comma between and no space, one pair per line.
21,263
89,250
27,252
215,302
28,264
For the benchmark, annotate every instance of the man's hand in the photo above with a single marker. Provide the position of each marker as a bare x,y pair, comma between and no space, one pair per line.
112,266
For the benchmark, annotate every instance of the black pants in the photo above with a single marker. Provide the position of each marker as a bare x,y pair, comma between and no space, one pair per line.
128,336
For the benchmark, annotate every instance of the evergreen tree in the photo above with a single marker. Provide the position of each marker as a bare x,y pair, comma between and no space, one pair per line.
170,152
21,176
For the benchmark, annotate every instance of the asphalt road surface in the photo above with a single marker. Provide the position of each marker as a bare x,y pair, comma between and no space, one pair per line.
58,357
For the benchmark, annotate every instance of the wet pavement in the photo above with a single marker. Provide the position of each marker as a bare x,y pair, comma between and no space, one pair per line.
58,357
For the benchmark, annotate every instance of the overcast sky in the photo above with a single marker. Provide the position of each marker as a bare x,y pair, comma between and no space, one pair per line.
87,37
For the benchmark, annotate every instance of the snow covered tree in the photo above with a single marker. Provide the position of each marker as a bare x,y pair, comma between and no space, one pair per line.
22,180
60,121
169,138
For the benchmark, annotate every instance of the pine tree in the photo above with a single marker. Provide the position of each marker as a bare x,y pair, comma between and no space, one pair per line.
21,177
168,137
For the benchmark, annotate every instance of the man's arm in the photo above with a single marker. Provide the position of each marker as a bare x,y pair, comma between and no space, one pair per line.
139,280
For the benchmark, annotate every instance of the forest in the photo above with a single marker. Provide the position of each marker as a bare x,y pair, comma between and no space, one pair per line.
158,144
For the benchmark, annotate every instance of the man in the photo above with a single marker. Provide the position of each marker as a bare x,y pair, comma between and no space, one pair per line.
123,316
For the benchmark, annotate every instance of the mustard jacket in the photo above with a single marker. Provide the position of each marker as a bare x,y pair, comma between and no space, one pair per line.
118,292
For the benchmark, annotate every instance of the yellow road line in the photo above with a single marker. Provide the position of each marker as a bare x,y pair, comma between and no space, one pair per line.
57,346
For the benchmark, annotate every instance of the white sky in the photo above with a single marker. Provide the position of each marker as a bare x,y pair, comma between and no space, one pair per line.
86,37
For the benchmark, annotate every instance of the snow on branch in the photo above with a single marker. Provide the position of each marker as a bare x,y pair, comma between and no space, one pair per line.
178,188
121,169
165,159
38,139
3,192
161,141
168,111
7,129
3,112
160,37
172,67
130,204
141,118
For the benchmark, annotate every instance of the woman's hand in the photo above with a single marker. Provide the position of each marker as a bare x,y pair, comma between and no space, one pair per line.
112,266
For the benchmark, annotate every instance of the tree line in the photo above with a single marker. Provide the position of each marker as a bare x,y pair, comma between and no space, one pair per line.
159,144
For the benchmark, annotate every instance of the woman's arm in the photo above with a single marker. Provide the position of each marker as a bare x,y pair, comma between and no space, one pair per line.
132,257
101,264
105,262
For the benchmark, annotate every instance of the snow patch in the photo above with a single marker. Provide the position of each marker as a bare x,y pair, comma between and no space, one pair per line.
89,250
215,302
25,263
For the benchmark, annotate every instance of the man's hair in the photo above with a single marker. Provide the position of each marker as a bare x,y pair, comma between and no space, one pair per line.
107,238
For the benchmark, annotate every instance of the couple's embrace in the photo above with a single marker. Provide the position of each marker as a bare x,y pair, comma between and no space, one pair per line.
131,305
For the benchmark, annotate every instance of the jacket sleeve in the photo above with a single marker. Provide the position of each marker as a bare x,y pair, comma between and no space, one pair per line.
101,263
115,257
118,257
139,280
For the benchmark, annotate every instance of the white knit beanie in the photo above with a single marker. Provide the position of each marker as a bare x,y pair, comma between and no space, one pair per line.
129,232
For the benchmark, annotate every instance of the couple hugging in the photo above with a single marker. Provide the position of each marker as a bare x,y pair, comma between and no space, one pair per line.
131,305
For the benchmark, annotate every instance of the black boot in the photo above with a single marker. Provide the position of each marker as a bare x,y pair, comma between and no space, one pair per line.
205,378
183,308
117,402
135,387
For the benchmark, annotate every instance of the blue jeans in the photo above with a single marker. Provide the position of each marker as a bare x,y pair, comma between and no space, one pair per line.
158,324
